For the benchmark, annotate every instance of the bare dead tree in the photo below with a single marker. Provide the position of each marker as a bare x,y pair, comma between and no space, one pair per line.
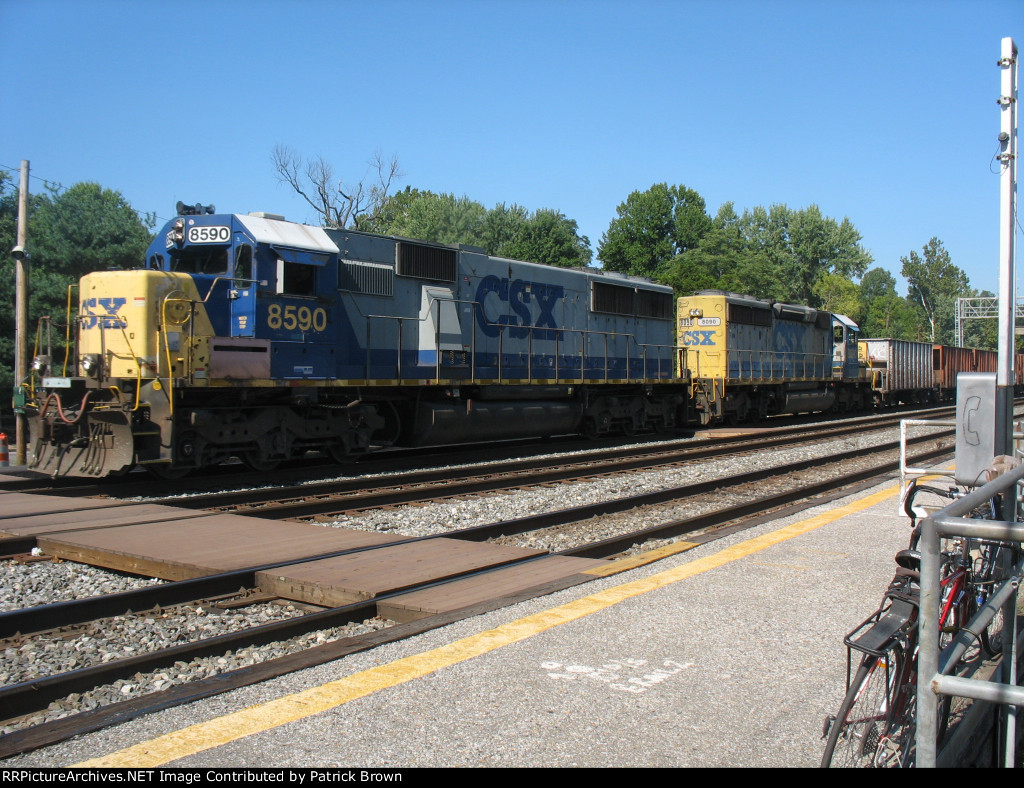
337,204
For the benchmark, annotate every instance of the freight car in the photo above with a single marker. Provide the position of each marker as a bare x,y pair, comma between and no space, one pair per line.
907,372
749,358
262,339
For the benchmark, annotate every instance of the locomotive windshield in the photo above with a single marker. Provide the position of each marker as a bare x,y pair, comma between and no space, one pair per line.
200,260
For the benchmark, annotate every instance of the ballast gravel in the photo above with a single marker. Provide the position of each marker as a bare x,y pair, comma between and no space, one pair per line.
40,583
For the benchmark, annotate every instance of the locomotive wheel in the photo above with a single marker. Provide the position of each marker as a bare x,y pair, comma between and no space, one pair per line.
339,453
255,461
168,471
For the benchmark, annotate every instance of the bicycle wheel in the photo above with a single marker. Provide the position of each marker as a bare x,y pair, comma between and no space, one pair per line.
864,725
994,570
992,637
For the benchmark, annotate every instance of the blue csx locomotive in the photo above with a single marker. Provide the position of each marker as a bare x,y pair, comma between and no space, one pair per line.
262,339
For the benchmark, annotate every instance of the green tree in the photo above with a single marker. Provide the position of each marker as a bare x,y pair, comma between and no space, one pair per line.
70,233
791,250
547,237
652,228
719,253
502,225
982,333
836,293
426,216
779,253
934,285
884,311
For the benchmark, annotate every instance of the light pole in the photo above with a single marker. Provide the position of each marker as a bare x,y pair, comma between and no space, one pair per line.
21,260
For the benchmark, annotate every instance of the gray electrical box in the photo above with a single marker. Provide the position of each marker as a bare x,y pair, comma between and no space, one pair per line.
975,426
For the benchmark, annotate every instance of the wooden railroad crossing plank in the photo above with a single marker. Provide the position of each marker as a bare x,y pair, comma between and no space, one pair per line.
16,504
474,590
352,578
203,546
60,522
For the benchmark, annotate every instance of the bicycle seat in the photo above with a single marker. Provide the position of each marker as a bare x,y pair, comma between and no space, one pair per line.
909,559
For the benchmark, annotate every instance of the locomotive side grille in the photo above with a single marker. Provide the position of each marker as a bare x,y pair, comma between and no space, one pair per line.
653,304
614,299
426,262
366,278
750,316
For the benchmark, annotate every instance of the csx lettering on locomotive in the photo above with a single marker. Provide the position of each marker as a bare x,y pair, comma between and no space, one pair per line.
95,310
691,338
518,295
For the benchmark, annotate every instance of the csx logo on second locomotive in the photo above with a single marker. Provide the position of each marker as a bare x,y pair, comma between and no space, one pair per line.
95,310
691,338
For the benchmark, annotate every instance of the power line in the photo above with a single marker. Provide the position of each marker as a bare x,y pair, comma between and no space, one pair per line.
57,186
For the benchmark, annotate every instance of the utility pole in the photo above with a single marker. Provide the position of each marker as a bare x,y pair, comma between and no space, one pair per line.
1007,216
21,258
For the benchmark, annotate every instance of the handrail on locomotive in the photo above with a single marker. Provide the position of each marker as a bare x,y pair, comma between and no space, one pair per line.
676,353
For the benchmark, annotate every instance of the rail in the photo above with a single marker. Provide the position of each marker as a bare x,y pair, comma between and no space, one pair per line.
933,667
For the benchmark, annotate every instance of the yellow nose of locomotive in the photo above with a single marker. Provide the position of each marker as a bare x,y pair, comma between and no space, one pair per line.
131,322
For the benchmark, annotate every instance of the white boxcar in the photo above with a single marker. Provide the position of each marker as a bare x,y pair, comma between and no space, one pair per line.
900,371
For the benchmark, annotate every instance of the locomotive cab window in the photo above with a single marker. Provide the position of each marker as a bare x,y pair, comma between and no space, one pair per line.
296,270
200,260
296,279
243,264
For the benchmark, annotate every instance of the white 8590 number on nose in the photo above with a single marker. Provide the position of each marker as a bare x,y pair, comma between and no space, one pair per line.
209,235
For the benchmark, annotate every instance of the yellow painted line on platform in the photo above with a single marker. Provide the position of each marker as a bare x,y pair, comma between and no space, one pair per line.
256,719
649,557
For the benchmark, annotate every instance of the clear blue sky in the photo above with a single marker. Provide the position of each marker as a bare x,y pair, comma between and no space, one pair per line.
883,112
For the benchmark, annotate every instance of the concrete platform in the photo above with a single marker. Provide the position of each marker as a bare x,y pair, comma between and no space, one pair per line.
728,654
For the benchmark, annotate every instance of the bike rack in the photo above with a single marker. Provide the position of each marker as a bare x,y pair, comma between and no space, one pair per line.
907,473
932,679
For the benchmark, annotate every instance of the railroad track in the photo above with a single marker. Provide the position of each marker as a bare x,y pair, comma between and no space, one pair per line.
214,480
328,499
29,697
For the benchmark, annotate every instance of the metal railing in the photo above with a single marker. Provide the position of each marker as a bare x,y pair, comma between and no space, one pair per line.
934,668
757,365
907,473
657,362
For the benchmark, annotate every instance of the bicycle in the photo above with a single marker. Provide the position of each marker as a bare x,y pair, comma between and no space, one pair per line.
876,722
987,561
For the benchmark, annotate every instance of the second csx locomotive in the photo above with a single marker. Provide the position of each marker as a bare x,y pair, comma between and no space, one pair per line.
262,339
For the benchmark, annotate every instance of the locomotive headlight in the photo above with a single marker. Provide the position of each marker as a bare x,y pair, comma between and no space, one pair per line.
177,234
90,364
696,313
40,363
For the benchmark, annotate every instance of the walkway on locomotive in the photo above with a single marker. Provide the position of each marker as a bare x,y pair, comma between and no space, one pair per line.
341,307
